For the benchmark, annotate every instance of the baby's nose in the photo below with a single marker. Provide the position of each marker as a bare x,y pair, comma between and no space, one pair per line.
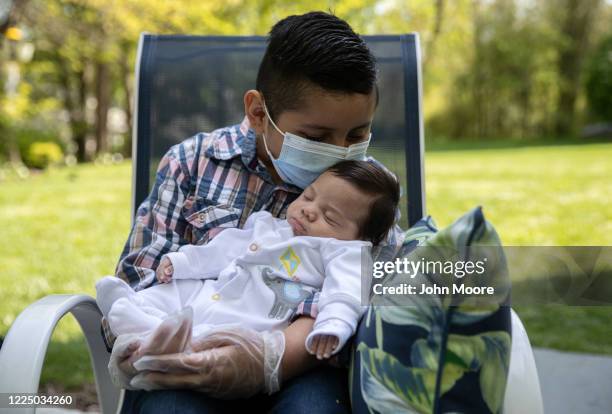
309,214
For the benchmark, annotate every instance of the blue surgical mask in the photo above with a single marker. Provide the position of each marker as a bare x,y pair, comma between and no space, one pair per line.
301,160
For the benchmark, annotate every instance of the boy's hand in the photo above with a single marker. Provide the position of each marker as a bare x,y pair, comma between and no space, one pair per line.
164,270
226,363
323,345
171,336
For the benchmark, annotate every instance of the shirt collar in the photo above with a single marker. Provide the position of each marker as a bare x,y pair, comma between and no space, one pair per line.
240,140
230,142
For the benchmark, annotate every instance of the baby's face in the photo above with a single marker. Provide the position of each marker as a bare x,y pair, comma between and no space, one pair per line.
329,207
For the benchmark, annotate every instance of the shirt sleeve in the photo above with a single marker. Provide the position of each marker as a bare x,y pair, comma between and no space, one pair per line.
340,300
207,260
341,292
335,327
158,223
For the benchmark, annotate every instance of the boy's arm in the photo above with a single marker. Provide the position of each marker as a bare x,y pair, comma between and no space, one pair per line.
158,225
296,359
230,363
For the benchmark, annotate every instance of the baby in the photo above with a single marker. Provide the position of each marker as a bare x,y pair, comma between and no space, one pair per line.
255,277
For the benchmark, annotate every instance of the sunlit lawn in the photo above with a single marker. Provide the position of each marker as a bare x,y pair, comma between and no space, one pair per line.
535,196
61,231
65,228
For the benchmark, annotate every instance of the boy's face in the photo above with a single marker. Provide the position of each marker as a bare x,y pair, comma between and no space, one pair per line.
334,118
329,207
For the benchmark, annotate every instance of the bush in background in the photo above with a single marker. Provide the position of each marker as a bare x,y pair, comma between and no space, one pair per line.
42,154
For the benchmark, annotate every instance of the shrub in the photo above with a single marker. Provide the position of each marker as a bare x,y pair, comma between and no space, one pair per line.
42,154
26,135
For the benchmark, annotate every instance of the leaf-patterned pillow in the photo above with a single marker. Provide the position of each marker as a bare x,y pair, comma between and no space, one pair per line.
426,356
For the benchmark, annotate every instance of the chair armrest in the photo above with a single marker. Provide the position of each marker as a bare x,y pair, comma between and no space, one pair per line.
25,346
523,393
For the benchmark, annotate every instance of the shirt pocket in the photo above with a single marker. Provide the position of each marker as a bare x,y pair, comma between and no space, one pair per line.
202,218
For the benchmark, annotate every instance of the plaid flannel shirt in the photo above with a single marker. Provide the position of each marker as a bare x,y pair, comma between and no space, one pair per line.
204,184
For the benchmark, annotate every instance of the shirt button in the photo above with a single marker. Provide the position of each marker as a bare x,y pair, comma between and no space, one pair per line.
201,217
216,296
253,247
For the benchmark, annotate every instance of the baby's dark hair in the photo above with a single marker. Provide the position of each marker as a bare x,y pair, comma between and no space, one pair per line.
313,48
377,181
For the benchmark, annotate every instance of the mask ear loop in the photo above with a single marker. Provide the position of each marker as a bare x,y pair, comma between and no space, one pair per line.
266,147
271,120
264,135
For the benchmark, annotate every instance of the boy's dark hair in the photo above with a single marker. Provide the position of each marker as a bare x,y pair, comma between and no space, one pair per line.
375,180
316,48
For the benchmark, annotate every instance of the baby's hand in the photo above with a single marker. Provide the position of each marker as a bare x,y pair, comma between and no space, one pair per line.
323,345
164,271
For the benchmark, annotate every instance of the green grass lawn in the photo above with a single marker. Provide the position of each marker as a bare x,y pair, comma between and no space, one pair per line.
62,229
65,228
535,196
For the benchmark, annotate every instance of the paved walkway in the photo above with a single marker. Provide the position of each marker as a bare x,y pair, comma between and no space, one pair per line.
574,383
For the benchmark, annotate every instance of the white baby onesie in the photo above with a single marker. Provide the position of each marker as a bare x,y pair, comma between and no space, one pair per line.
252,277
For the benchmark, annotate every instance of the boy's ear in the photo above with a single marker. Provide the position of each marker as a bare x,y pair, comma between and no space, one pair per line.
253,109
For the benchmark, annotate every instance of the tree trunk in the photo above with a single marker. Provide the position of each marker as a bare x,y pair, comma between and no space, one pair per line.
78,120
75,108
437,28
575,29
127,90
478,77
103,96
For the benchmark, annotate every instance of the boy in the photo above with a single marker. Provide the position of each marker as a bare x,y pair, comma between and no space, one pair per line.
255,276
316,81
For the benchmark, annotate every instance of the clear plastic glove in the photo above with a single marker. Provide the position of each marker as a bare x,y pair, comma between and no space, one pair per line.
120,366
226,363
171,336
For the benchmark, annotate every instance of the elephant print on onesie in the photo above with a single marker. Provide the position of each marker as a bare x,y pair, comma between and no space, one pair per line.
287,294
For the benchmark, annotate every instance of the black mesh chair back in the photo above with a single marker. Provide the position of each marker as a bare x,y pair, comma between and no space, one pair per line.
189,84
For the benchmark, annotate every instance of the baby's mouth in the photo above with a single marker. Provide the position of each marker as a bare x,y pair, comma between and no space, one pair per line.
297,226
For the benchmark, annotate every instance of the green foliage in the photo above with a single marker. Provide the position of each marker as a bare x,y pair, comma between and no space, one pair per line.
26,118
599,81
490,67
42,154
509,87
4,137
26,135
